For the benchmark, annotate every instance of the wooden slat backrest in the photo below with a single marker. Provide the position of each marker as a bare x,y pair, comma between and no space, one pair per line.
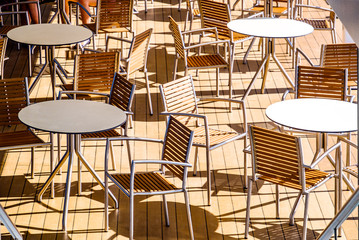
179,96
342,56
177,146
115,13
215,14
138,51
95,71
177,36
122,92
275,154
13,97
3,43
319,82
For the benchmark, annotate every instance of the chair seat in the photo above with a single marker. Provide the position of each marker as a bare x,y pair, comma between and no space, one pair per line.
196,12
236,37
102,135
276,10
144,182
353,170
215,136
316,23
203,61
313,177
5,29
19,138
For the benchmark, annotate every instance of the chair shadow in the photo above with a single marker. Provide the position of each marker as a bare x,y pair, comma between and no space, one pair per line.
31,236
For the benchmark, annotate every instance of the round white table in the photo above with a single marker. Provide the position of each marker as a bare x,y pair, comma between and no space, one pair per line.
269,28
49,36
72,117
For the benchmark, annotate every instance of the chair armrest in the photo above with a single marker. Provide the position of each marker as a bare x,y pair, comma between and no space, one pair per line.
207,43
299,51
314,7
137,139
218,99
286,93
81,6
260,14
345,140
116,38
91,50
161,162
184,114
326,153
81,92
201,30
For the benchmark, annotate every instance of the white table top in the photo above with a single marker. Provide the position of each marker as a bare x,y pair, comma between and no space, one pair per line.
72,116
315,115
270,27
49,34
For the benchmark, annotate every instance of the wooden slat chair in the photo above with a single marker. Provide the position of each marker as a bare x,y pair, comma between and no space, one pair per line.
202,61
3,43
278,158
339,55
137,57
13,97
16,15
121,96
175,154
280,7
112,16
93,72
191,14
349,167
180,100
218,15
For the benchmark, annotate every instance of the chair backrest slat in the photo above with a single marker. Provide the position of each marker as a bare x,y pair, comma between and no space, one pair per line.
13,97
275,154
115,13
179,96
122,93
138,51
318,82
177,146
342,56
95,71
177,36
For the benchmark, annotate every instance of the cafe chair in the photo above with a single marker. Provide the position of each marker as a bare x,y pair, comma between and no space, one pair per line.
202,61
192,12
3,43
175,154
280,7
278,158
339,55
121,96
180,101
14,96
217,14
12,19
112,16
350,168
136,58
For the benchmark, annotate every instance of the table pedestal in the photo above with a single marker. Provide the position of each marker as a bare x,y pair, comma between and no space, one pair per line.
270,52
73,147
60,12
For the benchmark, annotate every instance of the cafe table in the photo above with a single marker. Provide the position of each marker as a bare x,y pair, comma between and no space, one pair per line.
73,118
49,36
271,29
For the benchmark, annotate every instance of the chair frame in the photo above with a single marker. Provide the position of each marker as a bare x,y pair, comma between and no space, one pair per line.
144,37
182,52
302,180
131,194
3,58
203,118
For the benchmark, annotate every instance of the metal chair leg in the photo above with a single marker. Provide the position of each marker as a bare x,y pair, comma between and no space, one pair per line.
189,218
165,207
305,220
294,209
32,162
148,93
277,201
112,156
246,230
131,215
195,162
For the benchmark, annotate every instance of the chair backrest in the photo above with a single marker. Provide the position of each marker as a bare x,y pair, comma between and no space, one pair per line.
15,9
14,96
177,147
342,56
3,43
179,96
114,14
215,14
122,92
276,155
319,82
95,71
177,36
139,51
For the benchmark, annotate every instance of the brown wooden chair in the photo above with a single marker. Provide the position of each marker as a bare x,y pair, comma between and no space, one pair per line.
180,100
278,158
112,16
3,43
202,61
191,14
93,72
121,96
339,55
13,97
8,24
217,14
177,144
137,57
280,7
